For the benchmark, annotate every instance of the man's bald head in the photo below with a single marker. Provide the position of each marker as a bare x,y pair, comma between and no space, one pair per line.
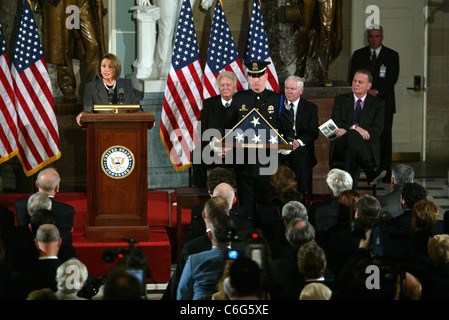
226,191
48,181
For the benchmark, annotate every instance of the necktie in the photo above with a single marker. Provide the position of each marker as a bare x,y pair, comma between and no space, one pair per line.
373,62
358,112
226,104
292,112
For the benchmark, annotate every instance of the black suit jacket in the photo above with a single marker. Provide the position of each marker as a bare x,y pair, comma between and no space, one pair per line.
306,126
372,120
63,213
96,93
361,58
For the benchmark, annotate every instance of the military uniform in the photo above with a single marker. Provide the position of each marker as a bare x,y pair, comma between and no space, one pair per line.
252,187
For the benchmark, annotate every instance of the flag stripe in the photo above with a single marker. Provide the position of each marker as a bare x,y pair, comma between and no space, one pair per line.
37,125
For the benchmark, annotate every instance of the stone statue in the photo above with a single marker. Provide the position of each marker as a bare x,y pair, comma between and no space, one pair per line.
61,44
169,13
319,35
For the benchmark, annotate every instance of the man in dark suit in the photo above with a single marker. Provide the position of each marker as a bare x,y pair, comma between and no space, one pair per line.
401,174
360,121
384,65
216,116
48,181
305,123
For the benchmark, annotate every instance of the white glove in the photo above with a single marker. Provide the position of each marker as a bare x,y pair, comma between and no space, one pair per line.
206,4
212,144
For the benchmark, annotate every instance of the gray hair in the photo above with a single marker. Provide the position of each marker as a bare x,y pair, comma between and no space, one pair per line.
339,180
38,201
228,74
294,209
402,174
71,276
299,81
298,232
368,207
48,179
47,233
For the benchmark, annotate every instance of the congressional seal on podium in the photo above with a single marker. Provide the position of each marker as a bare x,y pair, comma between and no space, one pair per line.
117,162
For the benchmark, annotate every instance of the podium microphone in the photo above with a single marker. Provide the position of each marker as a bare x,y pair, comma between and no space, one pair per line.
111,96
121,95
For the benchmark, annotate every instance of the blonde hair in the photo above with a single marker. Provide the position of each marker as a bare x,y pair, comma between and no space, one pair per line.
315,291
438,249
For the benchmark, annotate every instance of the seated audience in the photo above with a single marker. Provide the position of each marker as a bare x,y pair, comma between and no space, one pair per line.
401,174
244,281
203,270
121,285
6,217
71,277
323,214
315,291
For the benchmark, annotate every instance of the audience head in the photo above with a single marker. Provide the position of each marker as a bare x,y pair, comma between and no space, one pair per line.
294,209
71,276
338,181
298,232
294,87
401,174
438,248
347,206
222,230
311,260
48,240
424,215
37,201
244,278
226,191
39,218
42,294
410,289
219,175
412,193
214,207
48,181
315,291
284,185
121,285
368,207
227,82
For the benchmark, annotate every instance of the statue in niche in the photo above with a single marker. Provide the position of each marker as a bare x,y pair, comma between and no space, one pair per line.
61,44
318,29
167,23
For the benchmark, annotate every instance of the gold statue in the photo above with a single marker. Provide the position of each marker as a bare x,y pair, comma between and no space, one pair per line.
61,44
319,35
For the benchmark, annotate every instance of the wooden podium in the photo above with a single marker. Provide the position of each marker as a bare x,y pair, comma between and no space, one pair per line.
117,186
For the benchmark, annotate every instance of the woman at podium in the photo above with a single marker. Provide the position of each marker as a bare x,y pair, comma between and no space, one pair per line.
108,90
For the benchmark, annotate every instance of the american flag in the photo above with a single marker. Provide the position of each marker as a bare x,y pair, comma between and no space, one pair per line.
257,46
38,128
183,96
8,114
222,55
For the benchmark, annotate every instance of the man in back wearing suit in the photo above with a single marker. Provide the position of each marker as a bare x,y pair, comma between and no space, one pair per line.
401,174
360,121
304,115
216,114
48,181
384,65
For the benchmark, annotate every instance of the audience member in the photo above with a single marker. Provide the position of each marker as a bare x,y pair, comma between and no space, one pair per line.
203,270
269,216
293,209
244,280
42,294
297,232
71,276
411,193
315,291
37,201
121,285
214,207
48,181
323,214
312,265
435,277
409,288
401,174
42,273
338,242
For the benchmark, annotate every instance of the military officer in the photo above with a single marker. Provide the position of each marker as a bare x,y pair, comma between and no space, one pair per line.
253,187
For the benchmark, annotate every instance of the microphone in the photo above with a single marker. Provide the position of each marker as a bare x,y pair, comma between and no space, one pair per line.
111,96
121,95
